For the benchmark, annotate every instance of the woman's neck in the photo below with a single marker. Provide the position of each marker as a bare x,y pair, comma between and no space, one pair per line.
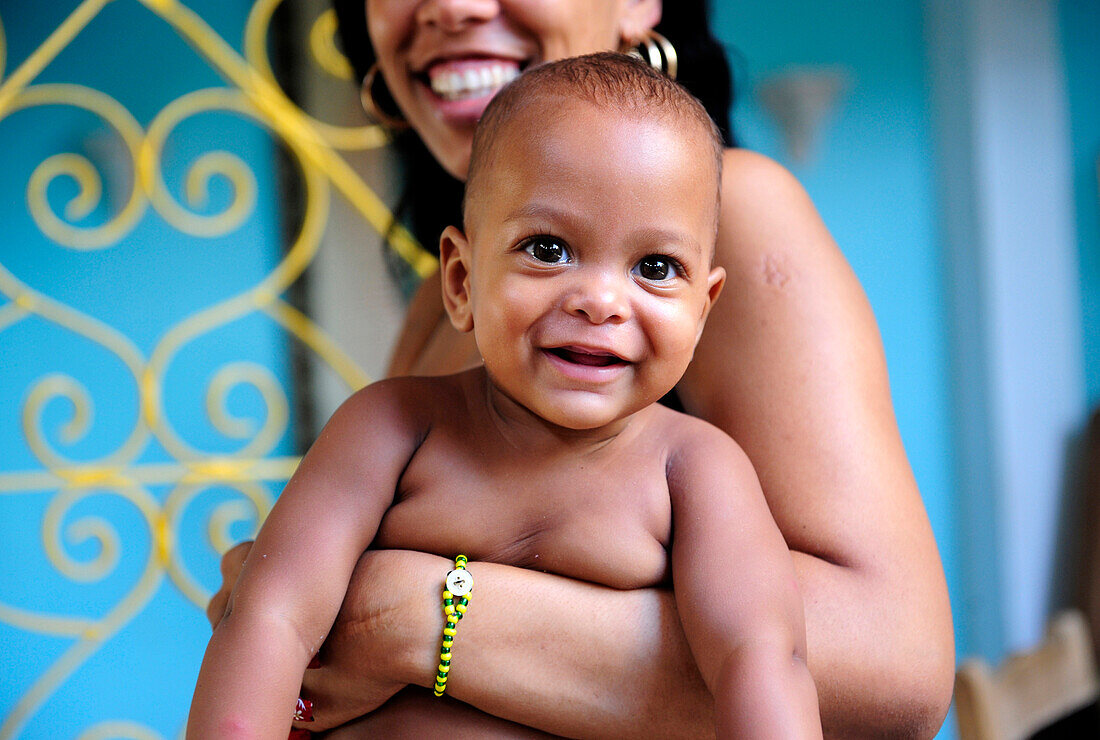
428,344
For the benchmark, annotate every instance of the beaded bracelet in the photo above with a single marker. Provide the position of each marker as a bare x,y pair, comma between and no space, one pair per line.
460,583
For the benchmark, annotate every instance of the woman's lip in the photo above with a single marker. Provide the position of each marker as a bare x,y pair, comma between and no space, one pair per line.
471,55
464,112
467,61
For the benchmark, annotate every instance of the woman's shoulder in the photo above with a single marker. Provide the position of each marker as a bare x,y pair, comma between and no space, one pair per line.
765,206
769,228
791,305
751,175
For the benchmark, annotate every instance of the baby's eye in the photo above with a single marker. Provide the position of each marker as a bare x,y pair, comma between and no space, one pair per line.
547,249
655,267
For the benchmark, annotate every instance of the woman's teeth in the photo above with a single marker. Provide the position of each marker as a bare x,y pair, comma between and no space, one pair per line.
471,82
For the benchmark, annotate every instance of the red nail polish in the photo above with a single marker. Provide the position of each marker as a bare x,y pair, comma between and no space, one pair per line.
297,734
304,711
314,662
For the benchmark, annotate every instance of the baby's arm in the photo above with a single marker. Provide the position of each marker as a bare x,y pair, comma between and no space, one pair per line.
736,592
297,572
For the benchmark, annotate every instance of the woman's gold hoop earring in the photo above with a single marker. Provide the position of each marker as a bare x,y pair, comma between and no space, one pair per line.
659,53
370,105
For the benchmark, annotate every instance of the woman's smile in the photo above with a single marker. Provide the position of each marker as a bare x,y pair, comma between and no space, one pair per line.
470,78
461,88
444,60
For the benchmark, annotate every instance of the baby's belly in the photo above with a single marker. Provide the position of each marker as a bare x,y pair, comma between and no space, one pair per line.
612,548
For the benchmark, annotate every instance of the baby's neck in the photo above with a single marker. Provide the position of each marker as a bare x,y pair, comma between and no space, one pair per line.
521,427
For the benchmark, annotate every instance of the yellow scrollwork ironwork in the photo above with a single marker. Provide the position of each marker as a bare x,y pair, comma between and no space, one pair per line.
119,731
322,42
93,632
162,492
81,170
220,520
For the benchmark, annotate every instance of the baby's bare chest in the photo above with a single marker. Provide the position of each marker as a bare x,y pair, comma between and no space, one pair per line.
605,519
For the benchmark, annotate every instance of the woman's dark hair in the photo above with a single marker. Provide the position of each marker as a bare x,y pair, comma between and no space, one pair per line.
433,199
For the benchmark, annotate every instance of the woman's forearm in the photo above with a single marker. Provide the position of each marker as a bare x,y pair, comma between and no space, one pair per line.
881,656
573,658
566,657
581,660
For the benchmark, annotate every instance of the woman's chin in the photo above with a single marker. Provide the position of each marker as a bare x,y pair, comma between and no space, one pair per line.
449,129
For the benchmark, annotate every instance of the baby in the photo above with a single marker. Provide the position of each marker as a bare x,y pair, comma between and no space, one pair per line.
584,272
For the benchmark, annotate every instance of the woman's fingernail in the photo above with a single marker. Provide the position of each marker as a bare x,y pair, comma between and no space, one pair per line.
297,734
314,662
304,711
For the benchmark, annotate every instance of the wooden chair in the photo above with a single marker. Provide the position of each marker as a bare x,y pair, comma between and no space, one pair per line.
1030,690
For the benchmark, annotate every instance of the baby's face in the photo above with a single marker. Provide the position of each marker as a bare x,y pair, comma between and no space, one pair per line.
590,245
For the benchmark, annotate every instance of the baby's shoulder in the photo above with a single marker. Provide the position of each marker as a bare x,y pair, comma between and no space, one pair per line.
684,435
410,401
693,445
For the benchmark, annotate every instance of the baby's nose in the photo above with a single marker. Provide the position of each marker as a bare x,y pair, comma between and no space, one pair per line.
599,298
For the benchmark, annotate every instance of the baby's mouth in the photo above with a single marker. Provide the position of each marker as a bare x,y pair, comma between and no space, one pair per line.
471,78
592,358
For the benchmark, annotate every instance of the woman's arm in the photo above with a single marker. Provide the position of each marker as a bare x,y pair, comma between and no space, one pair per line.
565,656
791,365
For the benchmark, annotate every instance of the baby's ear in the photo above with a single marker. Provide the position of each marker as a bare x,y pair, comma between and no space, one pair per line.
454,272
715,281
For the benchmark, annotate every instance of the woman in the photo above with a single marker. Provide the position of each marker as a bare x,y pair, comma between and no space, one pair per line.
790,365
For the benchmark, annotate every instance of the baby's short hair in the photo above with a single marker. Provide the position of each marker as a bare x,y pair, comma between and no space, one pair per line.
606,80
